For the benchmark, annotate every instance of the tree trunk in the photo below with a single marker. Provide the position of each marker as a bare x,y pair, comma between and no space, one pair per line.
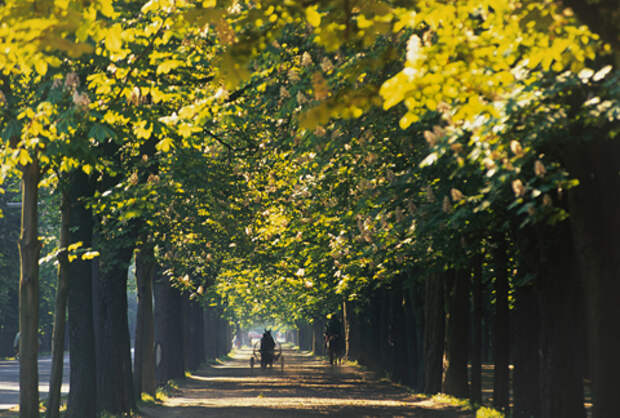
29,249
346,324
401,360
58,340
383,331
476,332
562,326
193,339
305,336
595,223
501,333
412,343
318,344
144,356
83,381
168,332
526,376
434,328
114,378
457,334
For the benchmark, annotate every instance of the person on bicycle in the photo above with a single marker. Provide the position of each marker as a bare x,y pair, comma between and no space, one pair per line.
266,342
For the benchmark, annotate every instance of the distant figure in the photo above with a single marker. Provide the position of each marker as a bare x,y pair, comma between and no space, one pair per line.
266,342
267,350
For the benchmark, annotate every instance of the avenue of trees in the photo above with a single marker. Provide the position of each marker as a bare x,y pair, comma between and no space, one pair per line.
443,176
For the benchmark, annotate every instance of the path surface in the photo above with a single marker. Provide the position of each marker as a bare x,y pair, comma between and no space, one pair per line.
307,386
9,380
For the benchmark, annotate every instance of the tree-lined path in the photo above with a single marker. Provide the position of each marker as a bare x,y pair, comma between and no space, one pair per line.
439,178
308,386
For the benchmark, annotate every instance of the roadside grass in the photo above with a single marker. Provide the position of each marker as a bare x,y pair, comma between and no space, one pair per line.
162,393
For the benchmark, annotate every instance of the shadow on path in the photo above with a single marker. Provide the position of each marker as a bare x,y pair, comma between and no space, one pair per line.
307,386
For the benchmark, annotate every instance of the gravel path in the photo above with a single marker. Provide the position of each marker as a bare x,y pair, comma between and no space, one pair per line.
308,386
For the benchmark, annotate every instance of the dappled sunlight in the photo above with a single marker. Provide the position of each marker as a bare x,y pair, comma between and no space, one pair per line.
308,386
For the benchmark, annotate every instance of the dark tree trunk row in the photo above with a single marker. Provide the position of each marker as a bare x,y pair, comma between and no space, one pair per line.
83,380
114,375
457,333
58,340
169,349
475,390
434,332
595,224
144,360
29,249
501,330
318,344
193,335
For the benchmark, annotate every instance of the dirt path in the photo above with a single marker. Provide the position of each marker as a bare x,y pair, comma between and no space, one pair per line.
307,386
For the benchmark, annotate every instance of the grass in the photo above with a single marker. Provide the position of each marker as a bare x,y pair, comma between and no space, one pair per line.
486,412
445,399
162,393
466,405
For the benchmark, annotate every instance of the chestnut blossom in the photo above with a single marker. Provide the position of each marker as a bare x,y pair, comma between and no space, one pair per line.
518,188
72,81
81,100
456,194
306,59
326,65
539,168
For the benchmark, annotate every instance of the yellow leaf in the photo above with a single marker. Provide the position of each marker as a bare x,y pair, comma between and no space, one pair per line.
313,16
164,145
106,8
89,255
166,66
186,130
208,3
74,246
23,157
150,6
113,41
87,168
40,66
141,130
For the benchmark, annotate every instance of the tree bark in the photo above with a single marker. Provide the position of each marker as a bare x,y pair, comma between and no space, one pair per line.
562,325
193,334
434,329
401,360
502,324
318,346
457,334
168,332
346,324
114,377
58,339
476,347
412,343
595,224
527,372
83,381
144,356
29,249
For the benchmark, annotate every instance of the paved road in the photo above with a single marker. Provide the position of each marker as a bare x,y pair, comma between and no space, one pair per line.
9,380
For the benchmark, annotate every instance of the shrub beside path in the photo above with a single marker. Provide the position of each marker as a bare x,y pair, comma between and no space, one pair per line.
307,386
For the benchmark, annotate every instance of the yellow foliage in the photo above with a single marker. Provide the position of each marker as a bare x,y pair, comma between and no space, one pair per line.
474,54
